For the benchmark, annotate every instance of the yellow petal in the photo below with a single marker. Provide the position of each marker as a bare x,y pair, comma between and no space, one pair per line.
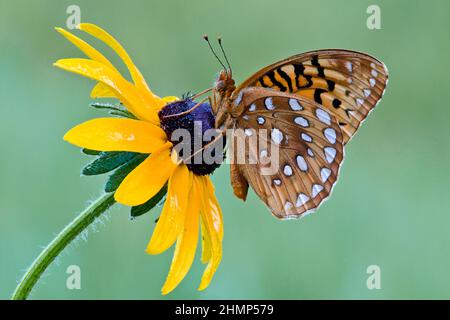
206,244
171,221
216,214
117,134
124,90
216,211
186,243
86,48
138,79
101,90
212,225
146,180
170,99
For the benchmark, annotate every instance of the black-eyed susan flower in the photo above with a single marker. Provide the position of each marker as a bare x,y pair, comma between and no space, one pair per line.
138,146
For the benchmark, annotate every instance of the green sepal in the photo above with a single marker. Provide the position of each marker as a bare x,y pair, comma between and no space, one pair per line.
137,211
90,152
107,161
117,110
116,178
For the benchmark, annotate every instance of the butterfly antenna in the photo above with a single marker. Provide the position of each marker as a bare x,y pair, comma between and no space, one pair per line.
219,39
212,50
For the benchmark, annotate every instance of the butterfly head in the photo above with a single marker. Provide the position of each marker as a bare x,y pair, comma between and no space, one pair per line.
224,81
223,89
224,84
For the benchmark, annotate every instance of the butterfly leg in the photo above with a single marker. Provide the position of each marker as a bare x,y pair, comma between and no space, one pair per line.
201,93
188,111
220,135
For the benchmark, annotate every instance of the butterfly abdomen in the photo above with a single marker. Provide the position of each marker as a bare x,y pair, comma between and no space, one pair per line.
238,182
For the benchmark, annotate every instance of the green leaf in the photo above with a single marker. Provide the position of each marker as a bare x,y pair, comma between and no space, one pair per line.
108,106
117,177
90,152
137,211
123,113
107,161
117,110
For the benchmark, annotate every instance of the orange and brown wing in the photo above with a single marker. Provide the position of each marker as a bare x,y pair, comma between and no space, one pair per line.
348,84
293,151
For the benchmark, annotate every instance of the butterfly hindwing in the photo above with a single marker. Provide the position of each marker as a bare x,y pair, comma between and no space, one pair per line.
310,150
348,84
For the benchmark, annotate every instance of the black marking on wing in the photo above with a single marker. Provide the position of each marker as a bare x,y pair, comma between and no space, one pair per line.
331,85
320,69
299,70
263,84
336,103
286,78
317,96
271,75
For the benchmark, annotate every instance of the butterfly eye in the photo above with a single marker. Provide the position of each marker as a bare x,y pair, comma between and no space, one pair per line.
220,85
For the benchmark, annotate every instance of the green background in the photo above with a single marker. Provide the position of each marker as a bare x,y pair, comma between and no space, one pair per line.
391,207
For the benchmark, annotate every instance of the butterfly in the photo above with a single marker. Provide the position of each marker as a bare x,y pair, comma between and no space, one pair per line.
310,105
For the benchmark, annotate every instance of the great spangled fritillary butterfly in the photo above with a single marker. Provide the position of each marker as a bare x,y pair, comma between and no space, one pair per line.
311,105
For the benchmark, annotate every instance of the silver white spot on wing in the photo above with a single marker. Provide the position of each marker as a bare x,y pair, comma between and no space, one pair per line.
260,120
287,170
263,154
287,206
330,134
330,154
349,66
374,73
367,92
306,137
301,200
372,82
301,163
323,116
276,135
310,152
268,102
301,121
325,174
248,132
295,105
316,188
277,182
359,102
239,98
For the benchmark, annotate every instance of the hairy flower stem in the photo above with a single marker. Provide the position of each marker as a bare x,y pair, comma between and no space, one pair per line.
64,238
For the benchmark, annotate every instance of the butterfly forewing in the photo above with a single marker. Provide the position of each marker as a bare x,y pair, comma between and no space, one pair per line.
347,84
310,150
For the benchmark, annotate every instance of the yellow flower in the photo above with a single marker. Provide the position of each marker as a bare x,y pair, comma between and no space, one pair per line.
190,201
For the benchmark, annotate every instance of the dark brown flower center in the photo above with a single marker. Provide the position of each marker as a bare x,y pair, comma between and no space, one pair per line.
191,134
